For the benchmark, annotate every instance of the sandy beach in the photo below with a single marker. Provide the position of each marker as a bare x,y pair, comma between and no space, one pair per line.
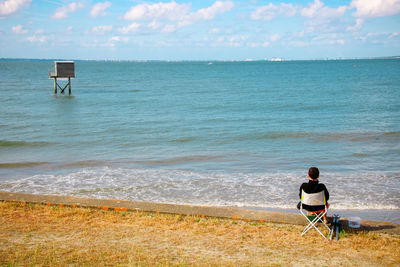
52,234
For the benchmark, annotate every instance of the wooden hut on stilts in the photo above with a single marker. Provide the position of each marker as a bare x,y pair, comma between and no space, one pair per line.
63,70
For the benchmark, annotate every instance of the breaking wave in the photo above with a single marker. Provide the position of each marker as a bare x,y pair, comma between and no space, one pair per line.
363,191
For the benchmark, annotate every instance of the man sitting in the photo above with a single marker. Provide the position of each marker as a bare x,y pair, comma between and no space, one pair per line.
313,186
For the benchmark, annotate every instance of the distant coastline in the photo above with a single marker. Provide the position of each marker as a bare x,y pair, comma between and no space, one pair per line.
272,59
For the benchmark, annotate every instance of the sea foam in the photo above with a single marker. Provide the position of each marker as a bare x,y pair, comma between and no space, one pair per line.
262,190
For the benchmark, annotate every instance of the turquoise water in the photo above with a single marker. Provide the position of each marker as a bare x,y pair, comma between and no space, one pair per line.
227,133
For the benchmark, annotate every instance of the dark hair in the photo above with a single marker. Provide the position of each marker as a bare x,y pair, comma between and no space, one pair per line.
313,172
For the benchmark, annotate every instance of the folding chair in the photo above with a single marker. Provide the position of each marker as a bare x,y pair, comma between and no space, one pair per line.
314,201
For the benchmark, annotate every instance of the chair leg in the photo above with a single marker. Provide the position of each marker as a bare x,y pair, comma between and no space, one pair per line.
312,224
318,217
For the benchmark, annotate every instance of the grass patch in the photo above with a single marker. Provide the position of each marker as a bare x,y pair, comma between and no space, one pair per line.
33,234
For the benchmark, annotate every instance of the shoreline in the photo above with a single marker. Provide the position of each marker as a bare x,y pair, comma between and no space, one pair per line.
192,210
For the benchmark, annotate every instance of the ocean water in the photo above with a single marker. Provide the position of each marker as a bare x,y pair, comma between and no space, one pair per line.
239,134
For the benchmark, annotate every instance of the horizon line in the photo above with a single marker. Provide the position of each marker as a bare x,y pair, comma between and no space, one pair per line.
272,59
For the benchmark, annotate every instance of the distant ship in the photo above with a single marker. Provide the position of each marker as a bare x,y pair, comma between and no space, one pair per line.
275,59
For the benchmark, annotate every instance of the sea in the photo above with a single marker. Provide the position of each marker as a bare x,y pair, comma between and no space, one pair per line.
218,133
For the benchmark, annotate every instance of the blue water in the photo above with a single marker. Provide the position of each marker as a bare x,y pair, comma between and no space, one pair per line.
227,133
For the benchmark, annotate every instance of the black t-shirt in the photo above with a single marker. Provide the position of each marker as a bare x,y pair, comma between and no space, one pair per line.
310,188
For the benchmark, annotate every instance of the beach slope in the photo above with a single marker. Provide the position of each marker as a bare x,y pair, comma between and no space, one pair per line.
53,234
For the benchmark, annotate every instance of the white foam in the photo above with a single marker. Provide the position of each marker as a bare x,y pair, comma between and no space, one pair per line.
264,190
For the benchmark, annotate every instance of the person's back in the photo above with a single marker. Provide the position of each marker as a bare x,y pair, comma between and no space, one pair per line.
313,186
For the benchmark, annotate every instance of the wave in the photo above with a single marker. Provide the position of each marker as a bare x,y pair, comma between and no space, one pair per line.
6,143
183,140
84,163
348,191
178,160
323,137
21,164
52,166
360,155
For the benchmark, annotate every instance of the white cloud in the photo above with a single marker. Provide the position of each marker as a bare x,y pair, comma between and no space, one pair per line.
37,39
110,43
115,39
39,31
393,35
102,29
9,7
322,18
341,42
62,12
98,10
270,11
315,10
380,36
256,44
323,39
312,9
253,44
357,26
208,13
118,39
212,11
234,41
168,28
19,29
299,43
97,43
274,37
265,44
154,25
134,27
160,11
214,31
237,41
375,8
319,11
173,11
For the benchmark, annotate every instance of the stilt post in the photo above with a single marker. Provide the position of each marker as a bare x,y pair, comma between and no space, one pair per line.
69,85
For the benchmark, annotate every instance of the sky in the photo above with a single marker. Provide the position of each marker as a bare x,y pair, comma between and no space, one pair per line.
199,29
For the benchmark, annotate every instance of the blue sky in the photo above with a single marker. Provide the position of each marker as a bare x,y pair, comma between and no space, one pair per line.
199,30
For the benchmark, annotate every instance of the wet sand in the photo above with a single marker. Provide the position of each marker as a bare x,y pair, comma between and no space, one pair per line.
203,211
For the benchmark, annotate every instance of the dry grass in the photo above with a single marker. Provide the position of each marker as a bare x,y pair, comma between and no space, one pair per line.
40,235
